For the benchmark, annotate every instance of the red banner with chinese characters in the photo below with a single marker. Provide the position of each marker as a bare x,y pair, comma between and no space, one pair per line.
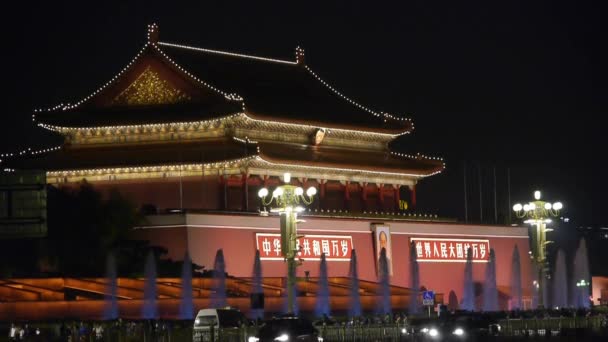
335,247
451,250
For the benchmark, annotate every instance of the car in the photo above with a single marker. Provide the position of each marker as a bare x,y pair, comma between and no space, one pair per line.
457,328
218,324
287,328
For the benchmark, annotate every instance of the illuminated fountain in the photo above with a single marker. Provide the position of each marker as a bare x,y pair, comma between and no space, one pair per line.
582,277
490,292
560,281
150,310
257,290
468,296
516,300
186,306
218,294
354,309
384,282
322,301
111,308
414,279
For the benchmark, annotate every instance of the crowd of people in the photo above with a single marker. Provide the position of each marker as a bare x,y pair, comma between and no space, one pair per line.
99,331
74,331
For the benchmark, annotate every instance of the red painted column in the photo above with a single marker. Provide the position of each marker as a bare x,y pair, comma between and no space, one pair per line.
397,198
224,193
245,191
413,196
322,183
347,191
381,193
321,192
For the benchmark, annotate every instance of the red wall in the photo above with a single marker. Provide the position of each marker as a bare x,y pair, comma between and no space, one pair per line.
239,248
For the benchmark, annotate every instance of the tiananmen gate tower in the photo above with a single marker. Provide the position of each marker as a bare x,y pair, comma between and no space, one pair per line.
191,134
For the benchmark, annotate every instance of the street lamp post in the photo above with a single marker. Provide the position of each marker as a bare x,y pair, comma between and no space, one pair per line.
538,214
287,200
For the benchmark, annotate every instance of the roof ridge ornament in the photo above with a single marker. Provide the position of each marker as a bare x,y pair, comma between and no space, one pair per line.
152,33
300,57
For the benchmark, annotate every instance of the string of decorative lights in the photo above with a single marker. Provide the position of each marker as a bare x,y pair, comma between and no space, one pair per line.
245,141
64,129
327,129
225,53
415,156
299,54
365,212
228,163
229,96
154,168
149,43
28,151
356,104
295,166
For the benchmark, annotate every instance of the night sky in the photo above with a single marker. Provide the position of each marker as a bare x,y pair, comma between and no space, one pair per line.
519,88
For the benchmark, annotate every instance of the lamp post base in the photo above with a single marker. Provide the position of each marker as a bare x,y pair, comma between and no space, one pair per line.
291,285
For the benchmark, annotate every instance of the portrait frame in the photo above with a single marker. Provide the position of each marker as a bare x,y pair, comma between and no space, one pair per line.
382,239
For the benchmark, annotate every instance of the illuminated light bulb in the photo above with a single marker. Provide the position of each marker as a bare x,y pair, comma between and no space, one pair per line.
547,206
299,191
263,192
299,209
532,206
517,207
311,191
287,177
526,207
557,206
537,195
277,192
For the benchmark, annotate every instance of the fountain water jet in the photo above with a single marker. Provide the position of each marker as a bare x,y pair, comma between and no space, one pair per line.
354,309
490,292
186,307
257,313
581,272
534,284
111,307
385,289
414,279
468,295
150,310
516,300
218,294
560,281
322,306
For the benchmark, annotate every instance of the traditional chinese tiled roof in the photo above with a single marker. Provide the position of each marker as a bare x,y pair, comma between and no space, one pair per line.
202,152
169,82
345,159
280,90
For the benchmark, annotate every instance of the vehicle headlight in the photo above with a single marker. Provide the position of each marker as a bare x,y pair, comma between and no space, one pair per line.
433,332
197,321
458,332
253,339
282,338
403,331
319,339
425,330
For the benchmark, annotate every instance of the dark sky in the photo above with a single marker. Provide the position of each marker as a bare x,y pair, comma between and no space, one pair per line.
517,86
